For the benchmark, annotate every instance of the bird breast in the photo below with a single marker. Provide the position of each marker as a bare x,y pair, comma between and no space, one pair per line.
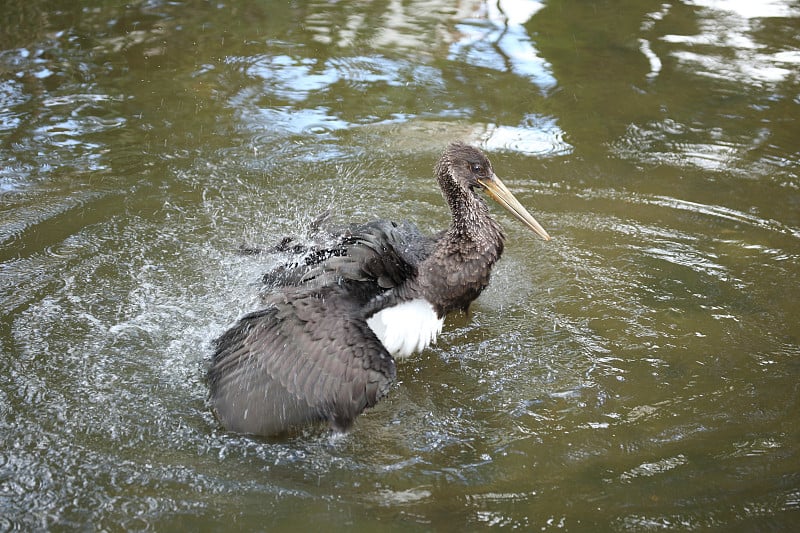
407,327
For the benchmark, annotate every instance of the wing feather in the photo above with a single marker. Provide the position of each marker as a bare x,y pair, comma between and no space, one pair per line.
309,356
382,253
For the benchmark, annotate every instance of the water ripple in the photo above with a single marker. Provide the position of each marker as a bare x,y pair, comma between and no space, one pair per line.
711,211
731,52
501,42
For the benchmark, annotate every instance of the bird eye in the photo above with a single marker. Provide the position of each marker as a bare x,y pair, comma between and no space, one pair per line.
477,168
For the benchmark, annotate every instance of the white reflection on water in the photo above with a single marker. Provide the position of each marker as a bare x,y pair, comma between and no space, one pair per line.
730,50
731,46
537,135
493,37
502,42
645,47
750,9
670,141
654,468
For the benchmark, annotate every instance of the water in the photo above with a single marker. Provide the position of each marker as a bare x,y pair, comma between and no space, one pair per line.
637,373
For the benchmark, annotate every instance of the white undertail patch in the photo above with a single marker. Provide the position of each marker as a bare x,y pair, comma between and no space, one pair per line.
407,327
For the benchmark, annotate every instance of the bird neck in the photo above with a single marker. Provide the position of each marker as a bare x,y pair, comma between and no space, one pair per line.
471,223
458,270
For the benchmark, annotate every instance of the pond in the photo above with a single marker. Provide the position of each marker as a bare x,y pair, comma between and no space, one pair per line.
639,372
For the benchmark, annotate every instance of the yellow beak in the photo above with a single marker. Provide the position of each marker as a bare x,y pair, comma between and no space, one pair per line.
500,194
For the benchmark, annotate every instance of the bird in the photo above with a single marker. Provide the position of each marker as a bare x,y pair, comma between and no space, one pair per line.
323,348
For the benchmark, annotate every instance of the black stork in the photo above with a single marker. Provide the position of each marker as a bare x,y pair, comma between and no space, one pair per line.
323,347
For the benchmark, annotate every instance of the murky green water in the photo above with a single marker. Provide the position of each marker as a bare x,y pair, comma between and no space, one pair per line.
638,373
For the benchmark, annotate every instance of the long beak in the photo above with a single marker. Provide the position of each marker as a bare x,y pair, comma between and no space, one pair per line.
500,194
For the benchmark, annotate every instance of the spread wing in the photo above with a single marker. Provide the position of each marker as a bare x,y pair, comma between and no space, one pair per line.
381,253
308,356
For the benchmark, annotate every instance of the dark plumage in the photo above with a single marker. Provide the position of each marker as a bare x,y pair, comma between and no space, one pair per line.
320,349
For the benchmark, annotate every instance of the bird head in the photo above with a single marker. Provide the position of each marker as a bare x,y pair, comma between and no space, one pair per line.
467,168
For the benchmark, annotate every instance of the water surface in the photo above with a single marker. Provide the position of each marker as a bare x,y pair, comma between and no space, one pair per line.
637,373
